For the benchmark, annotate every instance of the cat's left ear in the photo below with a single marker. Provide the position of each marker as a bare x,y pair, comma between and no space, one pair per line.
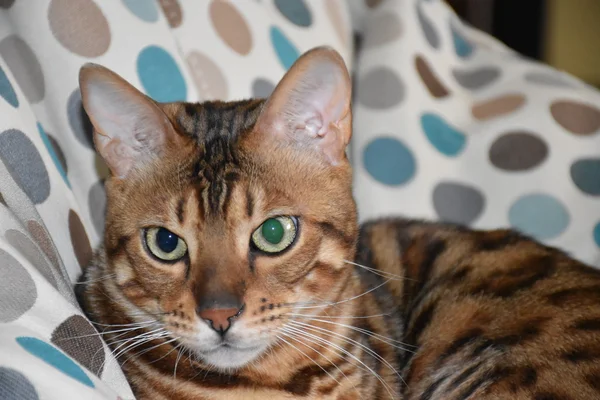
311,105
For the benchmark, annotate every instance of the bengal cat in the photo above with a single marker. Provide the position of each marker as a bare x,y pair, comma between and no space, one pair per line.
233,267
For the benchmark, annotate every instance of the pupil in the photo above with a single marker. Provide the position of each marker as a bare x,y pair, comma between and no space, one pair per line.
166,240
272,231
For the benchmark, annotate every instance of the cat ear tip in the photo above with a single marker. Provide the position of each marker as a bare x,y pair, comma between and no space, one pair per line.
328,55
326,52
90,71
89,67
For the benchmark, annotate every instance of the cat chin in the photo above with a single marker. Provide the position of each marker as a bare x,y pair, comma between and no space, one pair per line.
228,359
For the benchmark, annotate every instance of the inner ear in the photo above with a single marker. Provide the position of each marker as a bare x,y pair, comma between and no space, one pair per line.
311,105
130,129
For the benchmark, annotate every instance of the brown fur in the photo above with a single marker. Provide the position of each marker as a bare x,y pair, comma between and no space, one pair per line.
448,313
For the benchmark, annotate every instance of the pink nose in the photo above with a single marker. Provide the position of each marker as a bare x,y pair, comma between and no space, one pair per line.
220,318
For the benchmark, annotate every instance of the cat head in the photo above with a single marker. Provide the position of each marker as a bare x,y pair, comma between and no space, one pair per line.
225,219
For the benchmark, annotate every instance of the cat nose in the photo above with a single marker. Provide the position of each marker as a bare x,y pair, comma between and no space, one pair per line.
220,319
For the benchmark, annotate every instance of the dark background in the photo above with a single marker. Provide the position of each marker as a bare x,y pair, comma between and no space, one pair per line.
562,33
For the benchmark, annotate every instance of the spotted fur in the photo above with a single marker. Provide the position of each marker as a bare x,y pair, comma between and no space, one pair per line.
396,310
491,314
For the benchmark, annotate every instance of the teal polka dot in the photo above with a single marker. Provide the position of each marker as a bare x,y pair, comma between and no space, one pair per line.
6,90
143,9
285,50
597,234
389,161
462,47
160,76
586,175
442,136
539,215
295,11
53,154
54,357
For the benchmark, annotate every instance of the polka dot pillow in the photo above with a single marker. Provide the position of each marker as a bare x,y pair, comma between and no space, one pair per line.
51,181
452,125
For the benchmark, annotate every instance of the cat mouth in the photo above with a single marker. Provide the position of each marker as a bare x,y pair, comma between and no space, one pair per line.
230,346
227,356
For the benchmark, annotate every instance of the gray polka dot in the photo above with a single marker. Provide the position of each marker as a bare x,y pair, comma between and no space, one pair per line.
457,203
15,386
518,151
382,28
78,338
30,251
25,165
554,79
79,121
17,292
97,206
102,170
380,88
59,153
431,35
477,78
6,3
262,88
24,66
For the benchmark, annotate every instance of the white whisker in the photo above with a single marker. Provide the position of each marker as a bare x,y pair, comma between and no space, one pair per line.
305,355
291,332
375,374
103,278
351,298
349,340
150,349
341,317
179,354
400,345
383,274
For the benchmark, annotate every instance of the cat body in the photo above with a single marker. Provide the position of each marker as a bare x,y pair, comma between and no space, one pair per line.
233,266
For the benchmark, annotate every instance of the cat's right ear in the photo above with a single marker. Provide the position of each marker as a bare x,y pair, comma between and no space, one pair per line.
130,129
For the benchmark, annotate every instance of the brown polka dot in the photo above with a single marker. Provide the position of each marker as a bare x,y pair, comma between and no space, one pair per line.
39,234
172,11
6,3
78,338
79,26
373,3
231,26
577,118
430,80
518,151
334,12
382,28
207,75
79,240
59,153
498,106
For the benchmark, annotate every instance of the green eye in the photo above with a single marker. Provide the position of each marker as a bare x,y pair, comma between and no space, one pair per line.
164,244
275,234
